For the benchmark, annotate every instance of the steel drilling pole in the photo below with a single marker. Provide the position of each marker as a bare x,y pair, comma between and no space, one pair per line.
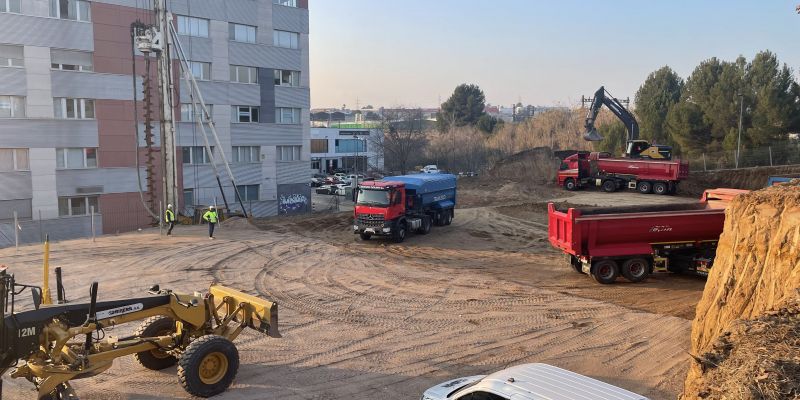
166,87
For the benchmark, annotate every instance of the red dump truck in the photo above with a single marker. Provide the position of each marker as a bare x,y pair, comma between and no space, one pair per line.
635,241
611,174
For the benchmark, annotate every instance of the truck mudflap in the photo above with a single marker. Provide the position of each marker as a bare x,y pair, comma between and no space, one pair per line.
256,313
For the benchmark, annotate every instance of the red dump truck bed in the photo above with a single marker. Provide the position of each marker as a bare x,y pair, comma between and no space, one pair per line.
651,236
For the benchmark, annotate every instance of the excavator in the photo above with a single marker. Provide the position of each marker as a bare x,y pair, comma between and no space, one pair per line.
635,148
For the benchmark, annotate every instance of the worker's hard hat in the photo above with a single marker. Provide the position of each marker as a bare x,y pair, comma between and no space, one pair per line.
169,205
212,207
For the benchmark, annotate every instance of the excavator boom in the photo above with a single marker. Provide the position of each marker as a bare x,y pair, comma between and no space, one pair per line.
602,97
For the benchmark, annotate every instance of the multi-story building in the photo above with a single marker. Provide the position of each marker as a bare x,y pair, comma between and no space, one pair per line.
67,134
352,150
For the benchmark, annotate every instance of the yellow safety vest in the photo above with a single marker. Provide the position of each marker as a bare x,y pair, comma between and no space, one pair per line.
170,216
210,216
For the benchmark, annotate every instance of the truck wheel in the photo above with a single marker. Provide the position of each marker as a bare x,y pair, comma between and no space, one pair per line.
437,219
644,187
570,184
660,188
576,264
399,233
364,236
636,269
605,271
426,225
208,366
156,359
609,186
448,217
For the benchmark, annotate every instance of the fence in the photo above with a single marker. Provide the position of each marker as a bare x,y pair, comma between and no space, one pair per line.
779,154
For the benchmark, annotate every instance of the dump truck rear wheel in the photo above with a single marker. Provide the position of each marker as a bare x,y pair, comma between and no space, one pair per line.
208,366
605,271
644,187
426,225
636,269
660,188
156,359
609,186
448,217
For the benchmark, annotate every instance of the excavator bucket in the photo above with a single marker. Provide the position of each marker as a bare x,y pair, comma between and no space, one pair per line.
592,136
260,314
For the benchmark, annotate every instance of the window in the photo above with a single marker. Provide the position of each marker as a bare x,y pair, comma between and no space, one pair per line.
196,155
11,56
9,6
188,197
248,192
192,26
319,145
188,113
246,154
76,10
288,153
243,74
14,160
200,70
68,60
287,3
242,33
12,107
287,78
244,114
76,158
71,206
350,145
289,116
286,39
73,108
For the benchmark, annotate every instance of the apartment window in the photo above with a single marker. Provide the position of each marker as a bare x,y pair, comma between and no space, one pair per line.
319,145
287,78
244,74
288,116
73,108
188,197
76,158
11,56
68,60
76,10
286,39
244,114
287,3
72,206
200,70
188,113
246,154
14,160
248,192
288,153
12,107
192,26
242,33
196,155
9,6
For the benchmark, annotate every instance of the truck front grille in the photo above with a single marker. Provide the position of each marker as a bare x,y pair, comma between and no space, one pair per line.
370,220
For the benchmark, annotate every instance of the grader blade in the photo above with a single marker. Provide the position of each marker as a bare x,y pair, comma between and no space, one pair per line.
259,314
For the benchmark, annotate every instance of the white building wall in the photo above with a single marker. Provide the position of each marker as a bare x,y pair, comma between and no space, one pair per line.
43,182
39,103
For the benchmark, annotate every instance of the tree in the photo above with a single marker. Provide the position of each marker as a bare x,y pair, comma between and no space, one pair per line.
464,107
687,127
403,138
615,138
654,99
774,110
487,123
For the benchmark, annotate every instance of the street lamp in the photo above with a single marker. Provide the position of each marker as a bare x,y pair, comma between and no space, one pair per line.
739,139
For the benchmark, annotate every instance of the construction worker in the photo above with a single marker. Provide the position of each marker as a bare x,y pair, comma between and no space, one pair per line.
211,217
169,217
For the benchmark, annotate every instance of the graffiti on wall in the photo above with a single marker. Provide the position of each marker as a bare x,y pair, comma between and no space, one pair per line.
292,203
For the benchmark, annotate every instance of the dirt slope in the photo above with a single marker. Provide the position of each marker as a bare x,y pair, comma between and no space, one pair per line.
757,269
745,178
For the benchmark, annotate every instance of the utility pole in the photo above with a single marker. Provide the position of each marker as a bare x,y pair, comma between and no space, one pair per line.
739,140
169,168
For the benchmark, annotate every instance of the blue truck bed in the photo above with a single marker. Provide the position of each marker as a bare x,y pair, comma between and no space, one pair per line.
435,190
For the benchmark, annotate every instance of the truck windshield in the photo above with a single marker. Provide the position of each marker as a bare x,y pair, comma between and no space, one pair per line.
373,197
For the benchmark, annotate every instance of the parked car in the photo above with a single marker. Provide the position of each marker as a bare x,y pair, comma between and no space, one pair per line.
340,175
318,180
332,180
430,169
528,382
348,180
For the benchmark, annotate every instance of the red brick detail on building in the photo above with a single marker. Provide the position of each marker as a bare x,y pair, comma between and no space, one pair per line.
116,133
302,4
123,212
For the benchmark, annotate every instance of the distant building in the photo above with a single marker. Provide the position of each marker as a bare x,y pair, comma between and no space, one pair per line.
351,150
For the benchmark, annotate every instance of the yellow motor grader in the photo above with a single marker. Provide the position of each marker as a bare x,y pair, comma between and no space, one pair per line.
61,342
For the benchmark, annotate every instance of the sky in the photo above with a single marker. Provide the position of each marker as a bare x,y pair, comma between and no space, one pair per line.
413,53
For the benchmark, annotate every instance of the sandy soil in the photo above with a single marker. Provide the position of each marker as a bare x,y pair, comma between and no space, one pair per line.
375,320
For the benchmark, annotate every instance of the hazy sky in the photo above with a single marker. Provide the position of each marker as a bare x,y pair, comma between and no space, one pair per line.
414,52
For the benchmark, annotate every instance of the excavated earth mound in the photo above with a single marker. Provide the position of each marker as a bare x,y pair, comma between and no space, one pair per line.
745,178
756,270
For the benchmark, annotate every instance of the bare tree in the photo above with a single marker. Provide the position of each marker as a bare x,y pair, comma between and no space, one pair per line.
403,138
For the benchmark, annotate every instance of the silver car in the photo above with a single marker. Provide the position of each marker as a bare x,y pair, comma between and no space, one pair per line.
528,382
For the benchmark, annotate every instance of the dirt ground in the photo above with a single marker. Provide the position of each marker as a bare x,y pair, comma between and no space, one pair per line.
377,320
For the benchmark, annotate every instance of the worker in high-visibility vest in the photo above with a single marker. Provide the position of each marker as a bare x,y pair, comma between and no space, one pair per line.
211,217
169,217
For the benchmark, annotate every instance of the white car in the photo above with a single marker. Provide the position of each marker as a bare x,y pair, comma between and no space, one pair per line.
528,382
430,169
349,179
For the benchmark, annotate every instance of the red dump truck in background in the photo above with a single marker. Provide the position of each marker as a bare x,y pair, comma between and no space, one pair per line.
611,174
635,241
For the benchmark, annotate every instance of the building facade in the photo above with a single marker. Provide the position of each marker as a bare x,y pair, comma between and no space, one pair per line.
353,150
67,133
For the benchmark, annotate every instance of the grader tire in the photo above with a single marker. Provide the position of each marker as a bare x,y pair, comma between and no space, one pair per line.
156,359
208,366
